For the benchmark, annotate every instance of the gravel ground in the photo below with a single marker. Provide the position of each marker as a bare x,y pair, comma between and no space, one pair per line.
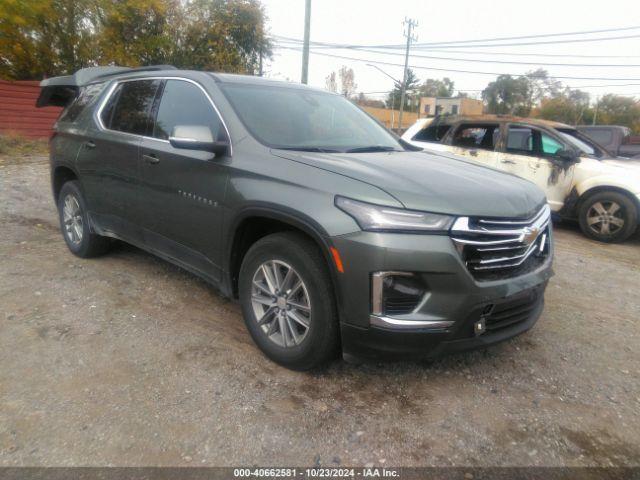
128,360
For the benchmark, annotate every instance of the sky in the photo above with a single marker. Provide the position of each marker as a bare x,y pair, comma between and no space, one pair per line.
361,22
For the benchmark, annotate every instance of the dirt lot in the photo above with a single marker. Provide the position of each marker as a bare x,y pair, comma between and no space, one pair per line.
127,360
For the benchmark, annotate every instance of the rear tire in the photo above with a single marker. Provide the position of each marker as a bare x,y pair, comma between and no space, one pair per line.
287,301
608,216
74,223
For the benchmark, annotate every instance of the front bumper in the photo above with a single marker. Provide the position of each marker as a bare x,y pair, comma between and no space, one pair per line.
444,321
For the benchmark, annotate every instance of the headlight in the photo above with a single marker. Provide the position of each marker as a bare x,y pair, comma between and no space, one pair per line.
387,219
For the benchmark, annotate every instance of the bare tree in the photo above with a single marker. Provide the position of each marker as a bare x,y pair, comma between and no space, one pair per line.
330,82
347,82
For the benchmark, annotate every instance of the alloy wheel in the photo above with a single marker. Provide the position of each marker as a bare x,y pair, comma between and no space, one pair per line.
605,217
72,218
281,303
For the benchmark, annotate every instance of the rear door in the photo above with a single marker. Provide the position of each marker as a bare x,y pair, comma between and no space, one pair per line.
109,159
182,191
531,153
476,142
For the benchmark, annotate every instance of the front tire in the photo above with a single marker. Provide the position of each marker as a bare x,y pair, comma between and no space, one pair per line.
287,301
608,216
74,223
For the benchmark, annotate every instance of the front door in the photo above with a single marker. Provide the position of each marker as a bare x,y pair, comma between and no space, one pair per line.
182,191
532,154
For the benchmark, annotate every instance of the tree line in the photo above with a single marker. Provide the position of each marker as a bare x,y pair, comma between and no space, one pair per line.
536,94
44,38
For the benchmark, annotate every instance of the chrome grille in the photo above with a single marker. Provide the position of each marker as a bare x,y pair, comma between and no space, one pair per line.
498,248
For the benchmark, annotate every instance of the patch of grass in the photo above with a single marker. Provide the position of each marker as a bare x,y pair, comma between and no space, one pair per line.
16,145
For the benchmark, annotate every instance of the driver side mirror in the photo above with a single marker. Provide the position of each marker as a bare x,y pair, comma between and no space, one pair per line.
197,137
568,156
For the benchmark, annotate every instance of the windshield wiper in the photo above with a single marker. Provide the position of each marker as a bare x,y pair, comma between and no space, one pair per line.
373,148
311,149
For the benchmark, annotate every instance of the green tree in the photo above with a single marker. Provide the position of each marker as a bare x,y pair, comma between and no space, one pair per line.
394,97
569,106
541,86
619,110
433,87
508,95
40,38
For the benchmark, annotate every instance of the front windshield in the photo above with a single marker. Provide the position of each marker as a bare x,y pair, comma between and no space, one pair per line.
300,119
580,142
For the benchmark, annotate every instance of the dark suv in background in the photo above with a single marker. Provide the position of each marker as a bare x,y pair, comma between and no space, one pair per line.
329,230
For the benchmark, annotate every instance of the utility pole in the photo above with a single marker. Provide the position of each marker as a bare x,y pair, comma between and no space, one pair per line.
595,114
305,48
409,24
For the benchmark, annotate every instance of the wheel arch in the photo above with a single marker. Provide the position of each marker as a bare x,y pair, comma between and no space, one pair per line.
585,194
60,175
256,222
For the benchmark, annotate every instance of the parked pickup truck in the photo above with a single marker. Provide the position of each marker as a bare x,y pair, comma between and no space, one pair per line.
614,138
580,178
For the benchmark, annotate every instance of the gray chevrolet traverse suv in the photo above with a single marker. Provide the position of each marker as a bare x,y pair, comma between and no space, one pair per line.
332,233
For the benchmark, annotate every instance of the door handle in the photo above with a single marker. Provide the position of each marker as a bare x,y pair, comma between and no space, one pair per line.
89,144
508,161
150,158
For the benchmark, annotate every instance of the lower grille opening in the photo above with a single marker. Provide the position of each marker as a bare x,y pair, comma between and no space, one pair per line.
512,311
396,293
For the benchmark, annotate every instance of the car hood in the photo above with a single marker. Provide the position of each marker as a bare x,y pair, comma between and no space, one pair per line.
623,163
431,182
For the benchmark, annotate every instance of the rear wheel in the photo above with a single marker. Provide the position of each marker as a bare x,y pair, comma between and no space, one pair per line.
608,216
74,223
287,301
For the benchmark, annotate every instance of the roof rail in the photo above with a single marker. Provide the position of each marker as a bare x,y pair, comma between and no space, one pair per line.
85,76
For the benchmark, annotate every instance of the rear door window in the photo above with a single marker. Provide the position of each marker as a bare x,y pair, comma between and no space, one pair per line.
476,136
129,107
184,103
520,140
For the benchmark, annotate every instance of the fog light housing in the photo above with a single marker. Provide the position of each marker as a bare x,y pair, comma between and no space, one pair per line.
395,293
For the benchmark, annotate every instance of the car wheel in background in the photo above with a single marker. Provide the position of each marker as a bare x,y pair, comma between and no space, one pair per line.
74,223
608,216
287,301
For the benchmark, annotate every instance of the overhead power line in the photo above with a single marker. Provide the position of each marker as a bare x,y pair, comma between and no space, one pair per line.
467,43
509,62
421,67
524,54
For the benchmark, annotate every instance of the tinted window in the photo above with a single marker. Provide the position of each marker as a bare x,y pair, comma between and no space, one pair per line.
476,136
183,103
520,140
129,108
433,133
78,105
602,136
296,118
529,141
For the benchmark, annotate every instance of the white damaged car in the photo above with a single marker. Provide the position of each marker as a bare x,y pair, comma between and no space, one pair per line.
580,178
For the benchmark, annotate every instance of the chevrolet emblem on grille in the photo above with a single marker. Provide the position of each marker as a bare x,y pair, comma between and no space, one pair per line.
529,235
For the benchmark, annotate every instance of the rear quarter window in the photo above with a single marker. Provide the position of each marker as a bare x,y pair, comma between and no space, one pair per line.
86,97
433,133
